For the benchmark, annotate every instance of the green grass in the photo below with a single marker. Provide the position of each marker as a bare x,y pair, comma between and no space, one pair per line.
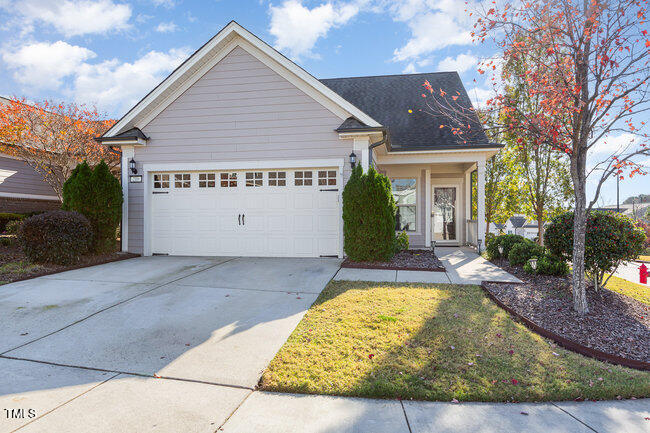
644,258
445,342
637,291
19,267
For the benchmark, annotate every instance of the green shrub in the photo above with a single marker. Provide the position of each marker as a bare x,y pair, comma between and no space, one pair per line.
548,265
97,195
368,217
6,217
506,241
12,227
5,241
521,252
60,237
401,241
610,239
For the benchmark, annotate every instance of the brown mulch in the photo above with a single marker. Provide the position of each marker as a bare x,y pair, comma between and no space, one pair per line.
616,324
408,260
12,253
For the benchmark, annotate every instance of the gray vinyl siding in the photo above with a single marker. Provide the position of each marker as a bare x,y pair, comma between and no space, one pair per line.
19,178
239,110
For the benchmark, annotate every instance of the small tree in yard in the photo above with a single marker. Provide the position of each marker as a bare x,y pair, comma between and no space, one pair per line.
53,138
97,195
588,67
610,240
368,217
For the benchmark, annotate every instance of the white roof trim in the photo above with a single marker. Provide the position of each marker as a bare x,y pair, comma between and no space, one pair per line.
187,71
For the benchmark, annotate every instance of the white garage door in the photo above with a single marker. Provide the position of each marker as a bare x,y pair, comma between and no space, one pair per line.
278,213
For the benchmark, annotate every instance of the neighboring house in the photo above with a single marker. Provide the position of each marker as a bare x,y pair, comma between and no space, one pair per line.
516,225
242,152
633,210
21,188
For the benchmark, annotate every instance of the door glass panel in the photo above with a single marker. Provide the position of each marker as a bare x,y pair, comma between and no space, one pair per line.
444,214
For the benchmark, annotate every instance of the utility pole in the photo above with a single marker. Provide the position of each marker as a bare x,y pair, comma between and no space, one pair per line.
618,181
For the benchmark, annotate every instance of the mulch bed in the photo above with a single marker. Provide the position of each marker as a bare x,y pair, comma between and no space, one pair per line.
616,324
408,260
12,253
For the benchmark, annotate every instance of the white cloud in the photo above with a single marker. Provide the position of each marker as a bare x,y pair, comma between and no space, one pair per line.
410,69
462,63
615,144
297,28
117,85
480,95
165,3
169,27
75,17
430,32
44,65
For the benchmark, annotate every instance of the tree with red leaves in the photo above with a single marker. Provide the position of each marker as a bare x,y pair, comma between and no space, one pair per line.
53,138
588,68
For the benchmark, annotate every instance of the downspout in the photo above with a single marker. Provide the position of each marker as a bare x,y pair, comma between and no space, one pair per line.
384,140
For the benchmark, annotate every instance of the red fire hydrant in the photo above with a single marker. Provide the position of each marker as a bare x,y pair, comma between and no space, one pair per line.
643,274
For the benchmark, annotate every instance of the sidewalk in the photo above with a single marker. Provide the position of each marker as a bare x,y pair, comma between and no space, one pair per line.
272,412
463,266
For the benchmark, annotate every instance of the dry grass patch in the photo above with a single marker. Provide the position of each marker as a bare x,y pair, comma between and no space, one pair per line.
433,342
637,291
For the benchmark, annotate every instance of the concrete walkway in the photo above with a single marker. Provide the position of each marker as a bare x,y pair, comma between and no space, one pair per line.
462,265
288,413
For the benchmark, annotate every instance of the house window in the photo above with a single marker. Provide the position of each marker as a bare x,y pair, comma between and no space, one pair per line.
207,180
182,180
254,178
228,180
303,178
404,192
160,181
277,178
326,177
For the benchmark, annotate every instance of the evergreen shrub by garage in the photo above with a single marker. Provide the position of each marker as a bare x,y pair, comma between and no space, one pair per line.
506,241
59,237
521,252
96,194
610,239
368,217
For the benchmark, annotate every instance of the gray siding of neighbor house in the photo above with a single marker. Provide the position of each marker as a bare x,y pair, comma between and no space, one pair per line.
19,178
239,110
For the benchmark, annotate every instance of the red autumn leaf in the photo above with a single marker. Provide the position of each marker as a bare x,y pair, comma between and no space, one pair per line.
514,381
371,356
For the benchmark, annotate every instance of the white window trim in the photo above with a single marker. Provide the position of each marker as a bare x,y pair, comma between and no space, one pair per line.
417,231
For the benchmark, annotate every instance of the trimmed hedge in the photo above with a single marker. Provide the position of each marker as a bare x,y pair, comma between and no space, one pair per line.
507,241
59,237
368,217
401,241
548,265
6,217
97,195
521,252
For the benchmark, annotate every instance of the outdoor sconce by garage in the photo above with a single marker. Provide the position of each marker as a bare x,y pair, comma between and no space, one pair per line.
132,166
353,160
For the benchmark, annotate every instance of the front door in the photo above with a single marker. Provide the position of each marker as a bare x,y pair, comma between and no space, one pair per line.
444,214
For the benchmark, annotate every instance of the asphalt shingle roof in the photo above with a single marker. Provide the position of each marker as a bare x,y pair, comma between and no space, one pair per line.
388,99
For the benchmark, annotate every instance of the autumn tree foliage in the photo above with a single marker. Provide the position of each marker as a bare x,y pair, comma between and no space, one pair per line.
53,138
588,68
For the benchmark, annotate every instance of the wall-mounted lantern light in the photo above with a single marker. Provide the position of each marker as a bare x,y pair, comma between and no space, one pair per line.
132,166
353,160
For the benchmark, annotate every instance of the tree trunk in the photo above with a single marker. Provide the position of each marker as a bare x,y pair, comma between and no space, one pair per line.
579,234
540,228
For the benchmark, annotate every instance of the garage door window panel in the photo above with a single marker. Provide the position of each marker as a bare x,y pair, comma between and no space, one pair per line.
160,181
228,180
207,180
303,178
182,180
327,178
254,179
278,178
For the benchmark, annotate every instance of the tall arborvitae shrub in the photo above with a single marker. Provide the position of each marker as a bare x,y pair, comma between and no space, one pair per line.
368,217
97,195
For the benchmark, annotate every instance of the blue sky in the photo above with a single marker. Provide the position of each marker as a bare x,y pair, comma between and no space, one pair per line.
110,53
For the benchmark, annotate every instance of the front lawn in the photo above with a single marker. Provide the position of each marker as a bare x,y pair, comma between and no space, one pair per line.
433,342
637,291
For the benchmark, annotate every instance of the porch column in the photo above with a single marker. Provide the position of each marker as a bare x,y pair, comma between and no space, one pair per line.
468,202
427,208
361,150
127,154
481,203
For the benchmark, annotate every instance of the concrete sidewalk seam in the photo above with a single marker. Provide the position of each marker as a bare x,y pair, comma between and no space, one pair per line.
408,424
64,403
111,306
249,290
575,418
150,376
234,410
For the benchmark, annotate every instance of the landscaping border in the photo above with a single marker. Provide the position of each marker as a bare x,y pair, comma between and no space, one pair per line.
564,342
125,256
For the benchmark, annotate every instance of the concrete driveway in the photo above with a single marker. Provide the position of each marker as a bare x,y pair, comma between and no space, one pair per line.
152,343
